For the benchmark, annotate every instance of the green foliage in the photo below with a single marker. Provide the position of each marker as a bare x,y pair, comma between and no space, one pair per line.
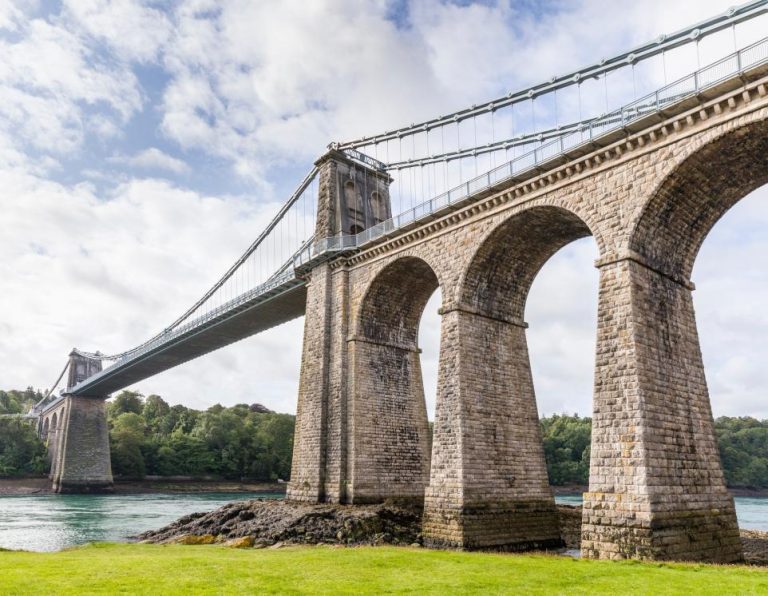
175,569
126,402
21,452
744,451
18,402
566,448
149,437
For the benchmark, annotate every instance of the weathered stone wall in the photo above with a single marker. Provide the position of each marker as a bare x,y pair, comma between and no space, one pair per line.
52,425
84,461
656,485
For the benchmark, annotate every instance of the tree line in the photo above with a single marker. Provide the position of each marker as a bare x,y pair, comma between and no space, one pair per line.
21,452
150,437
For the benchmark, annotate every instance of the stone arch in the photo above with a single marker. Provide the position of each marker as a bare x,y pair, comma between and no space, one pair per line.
394,301
46,426
687,203
54,422
501,271
651,392
486,419
390,440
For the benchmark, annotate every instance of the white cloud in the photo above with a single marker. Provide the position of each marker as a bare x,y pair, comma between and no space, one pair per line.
132,28
152,159
265,85
49,78
78,270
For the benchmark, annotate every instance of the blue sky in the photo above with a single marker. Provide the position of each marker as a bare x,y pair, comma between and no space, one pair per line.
144,144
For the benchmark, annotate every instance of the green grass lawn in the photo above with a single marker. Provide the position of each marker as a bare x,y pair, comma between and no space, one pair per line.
150,569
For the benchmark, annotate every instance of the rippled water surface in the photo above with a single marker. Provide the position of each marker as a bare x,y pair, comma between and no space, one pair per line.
751,512
53,522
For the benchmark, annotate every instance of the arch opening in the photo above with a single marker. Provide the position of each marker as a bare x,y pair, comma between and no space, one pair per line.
391,438
500,275
487,398
731,290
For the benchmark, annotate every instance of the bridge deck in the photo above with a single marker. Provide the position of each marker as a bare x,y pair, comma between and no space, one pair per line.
282,304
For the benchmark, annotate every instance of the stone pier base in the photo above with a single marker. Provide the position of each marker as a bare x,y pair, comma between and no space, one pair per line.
621,527
510,526
82,462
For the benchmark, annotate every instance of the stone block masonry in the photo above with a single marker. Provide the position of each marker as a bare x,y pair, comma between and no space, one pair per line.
84,465
649,198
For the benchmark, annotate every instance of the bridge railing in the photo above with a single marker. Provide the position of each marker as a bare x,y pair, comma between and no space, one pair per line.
691,85
431,157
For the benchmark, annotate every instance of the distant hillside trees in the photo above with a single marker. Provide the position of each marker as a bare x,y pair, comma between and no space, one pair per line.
21,452
744,451
150,437
566,448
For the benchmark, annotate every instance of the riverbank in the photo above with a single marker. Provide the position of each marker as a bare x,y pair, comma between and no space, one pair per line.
42,486
152,569
262,524
32,486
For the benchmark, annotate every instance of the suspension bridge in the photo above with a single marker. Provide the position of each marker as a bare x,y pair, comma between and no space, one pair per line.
474,202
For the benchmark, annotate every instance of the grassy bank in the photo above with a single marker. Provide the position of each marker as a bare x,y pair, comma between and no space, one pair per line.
150,569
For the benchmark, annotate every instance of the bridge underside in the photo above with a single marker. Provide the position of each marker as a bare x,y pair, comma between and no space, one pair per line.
284,305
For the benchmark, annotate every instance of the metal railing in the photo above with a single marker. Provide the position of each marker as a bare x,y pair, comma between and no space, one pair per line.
689,86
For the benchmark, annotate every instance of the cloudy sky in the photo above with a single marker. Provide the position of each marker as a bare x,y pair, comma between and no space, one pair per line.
144,144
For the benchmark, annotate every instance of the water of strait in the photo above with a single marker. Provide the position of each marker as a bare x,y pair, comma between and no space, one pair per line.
54,522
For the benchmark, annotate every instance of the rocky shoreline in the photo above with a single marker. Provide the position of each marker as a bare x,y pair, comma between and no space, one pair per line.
263,523
274,523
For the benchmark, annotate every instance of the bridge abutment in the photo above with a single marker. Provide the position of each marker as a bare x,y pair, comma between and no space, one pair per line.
657,489
83,457
488,485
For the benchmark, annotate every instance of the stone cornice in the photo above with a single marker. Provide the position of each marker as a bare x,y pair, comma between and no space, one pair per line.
376,342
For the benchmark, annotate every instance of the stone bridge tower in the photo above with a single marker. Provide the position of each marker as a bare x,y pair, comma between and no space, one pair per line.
80,455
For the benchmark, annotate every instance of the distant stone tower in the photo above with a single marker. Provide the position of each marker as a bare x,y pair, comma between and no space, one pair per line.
81,458
352,197
80,368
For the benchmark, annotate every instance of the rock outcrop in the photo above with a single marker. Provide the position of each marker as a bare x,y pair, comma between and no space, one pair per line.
269,522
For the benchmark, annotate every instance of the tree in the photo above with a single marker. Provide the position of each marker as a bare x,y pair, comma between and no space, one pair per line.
566,448
154,412
126,402
127,438
21,451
